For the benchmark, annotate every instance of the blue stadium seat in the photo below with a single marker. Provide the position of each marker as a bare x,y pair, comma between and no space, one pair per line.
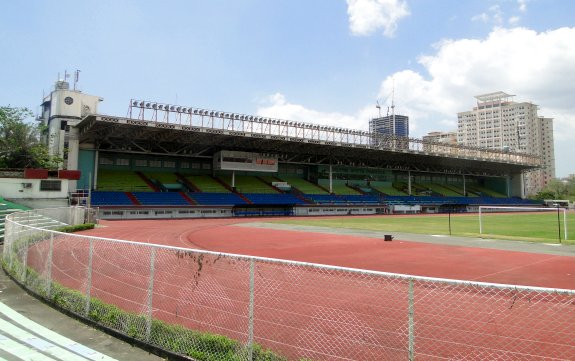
160,199
273,198
102,198
216,199
343,199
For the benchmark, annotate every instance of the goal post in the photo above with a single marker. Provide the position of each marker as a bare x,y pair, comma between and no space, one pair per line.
503,209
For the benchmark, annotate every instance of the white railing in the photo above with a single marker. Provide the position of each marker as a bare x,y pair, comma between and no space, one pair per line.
237,306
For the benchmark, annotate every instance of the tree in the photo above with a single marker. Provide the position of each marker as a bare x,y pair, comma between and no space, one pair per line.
20,145
559,189
570,186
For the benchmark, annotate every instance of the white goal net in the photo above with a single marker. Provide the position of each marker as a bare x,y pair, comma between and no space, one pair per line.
560,222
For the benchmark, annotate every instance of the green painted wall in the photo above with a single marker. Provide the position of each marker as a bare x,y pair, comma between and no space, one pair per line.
86,159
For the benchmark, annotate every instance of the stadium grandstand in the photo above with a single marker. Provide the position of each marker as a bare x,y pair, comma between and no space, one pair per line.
166,160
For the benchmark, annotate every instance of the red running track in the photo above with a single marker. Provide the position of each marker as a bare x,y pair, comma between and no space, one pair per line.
399,256
307,308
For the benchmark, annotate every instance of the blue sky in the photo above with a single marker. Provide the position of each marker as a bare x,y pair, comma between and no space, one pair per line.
319,61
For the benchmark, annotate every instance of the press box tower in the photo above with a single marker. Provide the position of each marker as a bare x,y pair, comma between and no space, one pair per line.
62,110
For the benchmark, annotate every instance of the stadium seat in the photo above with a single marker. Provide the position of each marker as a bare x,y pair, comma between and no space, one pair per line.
217,199
100,198
161,199
271,198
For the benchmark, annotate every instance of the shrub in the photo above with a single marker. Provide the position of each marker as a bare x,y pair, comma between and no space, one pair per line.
76,228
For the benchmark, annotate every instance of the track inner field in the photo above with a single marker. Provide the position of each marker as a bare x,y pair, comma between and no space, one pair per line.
398,256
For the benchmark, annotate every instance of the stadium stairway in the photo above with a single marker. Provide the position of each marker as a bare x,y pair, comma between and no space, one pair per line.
38,221
246,199
268,181
7,208
224,184
133,198
187,183
148,181
187,198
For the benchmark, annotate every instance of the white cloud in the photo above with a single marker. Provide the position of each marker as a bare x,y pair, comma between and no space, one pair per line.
276,106
537,67
483,17
493,15
367,16
514,20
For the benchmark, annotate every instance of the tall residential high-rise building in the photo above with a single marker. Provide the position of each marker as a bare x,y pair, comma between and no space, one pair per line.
498,122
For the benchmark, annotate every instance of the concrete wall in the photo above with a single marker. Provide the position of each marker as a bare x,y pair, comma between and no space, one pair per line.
27,192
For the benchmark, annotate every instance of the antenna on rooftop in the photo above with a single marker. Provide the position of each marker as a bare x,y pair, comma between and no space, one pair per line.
76,78
393,105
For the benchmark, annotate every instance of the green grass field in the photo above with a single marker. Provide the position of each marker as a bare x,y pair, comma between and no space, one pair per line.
532,227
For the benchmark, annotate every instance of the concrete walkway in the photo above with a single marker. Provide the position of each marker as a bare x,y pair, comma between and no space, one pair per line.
32,330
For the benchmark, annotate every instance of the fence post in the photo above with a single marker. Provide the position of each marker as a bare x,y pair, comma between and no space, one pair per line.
49,273
25,256
89,277
14,244
151,294
411,323
251,312
9,242
480,223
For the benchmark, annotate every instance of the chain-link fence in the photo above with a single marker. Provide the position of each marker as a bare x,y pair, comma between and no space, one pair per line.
215,306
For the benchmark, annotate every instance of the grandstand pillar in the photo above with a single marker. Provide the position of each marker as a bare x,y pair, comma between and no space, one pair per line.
96,160
73,151
515,185
409,182
330,179
464,189
233,179
523,190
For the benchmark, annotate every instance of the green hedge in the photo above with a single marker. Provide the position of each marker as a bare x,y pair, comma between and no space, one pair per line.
76,228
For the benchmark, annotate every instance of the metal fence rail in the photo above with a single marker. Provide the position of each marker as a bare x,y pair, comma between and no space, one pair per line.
215,306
